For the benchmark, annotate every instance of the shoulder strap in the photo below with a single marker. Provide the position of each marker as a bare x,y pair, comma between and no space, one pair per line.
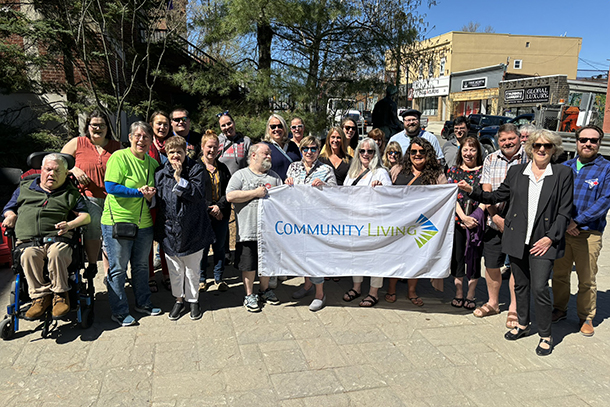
360,176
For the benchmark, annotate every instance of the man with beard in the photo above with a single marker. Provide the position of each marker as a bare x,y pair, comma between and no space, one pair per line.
412,129
245,188
494,171
452,147
233,146
181,126
584,234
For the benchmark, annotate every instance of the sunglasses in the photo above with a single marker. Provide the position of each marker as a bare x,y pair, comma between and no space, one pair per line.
308,149
100,126
348,128
393,153
276,126
225,113
584,140
298,126
415,152
369,152
547,146
180,119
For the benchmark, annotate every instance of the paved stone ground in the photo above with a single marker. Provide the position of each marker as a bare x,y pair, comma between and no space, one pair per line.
390,355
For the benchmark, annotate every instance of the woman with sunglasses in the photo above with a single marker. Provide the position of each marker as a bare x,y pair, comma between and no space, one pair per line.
351,133
392,155
335,153
366,170
419,167
297,129
540,208
310,171
283,153
469,221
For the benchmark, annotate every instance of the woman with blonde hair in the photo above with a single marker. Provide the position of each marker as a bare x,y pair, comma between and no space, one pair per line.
392,155
283,153
334,153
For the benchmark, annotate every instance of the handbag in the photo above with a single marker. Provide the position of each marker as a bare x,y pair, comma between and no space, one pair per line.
127,230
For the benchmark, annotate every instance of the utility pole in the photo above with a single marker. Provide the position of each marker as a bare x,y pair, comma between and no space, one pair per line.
607,108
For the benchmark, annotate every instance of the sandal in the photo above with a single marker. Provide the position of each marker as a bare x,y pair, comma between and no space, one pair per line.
511,320
417,301
369,301
485,310
457,302
470,304
152,286
390,297
167,284
350,295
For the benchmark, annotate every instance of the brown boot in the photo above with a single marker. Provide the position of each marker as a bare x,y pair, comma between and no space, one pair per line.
39,306
586,327
61,305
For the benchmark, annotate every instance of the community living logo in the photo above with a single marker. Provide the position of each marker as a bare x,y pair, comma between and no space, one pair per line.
424,230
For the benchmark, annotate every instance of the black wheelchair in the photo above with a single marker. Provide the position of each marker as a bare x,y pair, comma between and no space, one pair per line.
82,291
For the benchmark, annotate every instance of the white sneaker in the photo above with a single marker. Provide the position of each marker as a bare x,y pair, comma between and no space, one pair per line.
317,305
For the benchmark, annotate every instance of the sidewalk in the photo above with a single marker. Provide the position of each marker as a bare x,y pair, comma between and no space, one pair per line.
390,355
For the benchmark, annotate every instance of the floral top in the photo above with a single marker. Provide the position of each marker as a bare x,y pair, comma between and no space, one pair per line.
299,174
472,177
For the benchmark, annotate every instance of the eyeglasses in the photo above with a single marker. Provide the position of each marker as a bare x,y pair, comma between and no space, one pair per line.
415,152
393,153
225,113
99,126
369,152
298,126
308,149
348,128
276,126
144,137
180,119
547,146
584,140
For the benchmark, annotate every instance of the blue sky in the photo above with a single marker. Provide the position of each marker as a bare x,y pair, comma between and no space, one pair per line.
587,19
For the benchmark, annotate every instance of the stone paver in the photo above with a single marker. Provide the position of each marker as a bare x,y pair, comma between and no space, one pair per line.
391,355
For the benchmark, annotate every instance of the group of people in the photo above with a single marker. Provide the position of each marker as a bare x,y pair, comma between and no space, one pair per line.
177,187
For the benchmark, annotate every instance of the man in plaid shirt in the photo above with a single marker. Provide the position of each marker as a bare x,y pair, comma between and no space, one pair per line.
495,167
584,234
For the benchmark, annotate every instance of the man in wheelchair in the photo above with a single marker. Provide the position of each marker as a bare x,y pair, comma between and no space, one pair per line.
43,211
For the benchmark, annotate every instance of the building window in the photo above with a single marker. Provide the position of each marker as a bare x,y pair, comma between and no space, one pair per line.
429,106
527,44
421,70
430,70
517,64
441,68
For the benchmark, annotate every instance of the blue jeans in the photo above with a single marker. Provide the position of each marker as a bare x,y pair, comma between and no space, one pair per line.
221,230
120,252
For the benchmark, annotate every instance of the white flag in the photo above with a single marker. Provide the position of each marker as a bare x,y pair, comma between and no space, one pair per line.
394,231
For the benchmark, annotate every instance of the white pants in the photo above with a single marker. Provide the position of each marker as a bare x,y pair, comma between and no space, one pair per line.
376,282
184,275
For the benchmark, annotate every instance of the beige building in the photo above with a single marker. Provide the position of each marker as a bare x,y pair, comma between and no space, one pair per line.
434,60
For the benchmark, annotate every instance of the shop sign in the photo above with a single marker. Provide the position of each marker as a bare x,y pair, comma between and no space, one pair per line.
476,83
431,87
539,94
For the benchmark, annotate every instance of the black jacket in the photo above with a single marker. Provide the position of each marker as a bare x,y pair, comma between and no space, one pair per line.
182,224
225,175
552,216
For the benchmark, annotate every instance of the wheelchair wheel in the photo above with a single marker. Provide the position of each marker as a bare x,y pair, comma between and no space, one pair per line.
87,317
7,328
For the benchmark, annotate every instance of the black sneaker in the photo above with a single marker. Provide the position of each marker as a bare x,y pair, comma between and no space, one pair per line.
196,311
176,311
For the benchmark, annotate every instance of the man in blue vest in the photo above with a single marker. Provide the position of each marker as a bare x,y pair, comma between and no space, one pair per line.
41,211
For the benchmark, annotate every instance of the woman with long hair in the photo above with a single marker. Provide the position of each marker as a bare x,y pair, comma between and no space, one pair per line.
334,153
283,153
419,167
